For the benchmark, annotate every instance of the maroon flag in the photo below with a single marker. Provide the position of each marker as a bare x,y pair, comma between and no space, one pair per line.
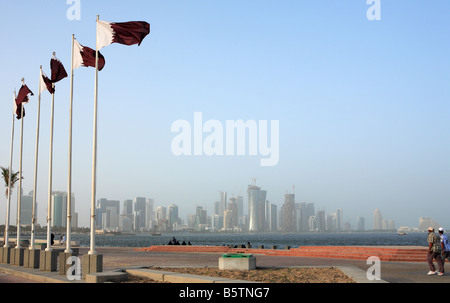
22,97
127,33
46,83
58,70
85,56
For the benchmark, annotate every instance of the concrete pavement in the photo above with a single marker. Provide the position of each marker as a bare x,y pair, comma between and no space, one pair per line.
122,258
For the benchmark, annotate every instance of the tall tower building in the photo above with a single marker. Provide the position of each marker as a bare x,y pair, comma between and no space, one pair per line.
262,210
222,202
59,209
377,219
140,208
288,213
340,219
172,211
253,207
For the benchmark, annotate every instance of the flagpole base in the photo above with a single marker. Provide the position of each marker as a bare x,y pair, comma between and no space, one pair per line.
92,263
31,258
17,256
5,255
48,260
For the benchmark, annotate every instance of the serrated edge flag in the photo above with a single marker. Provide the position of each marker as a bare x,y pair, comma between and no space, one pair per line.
45,84
127,33
85,56
22,97
58,70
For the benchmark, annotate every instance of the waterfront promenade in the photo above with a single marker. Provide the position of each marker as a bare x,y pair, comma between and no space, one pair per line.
122,258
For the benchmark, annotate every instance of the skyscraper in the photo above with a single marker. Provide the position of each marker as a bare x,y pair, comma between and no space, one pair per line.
140,209
377,219
288,213
59,209
253,207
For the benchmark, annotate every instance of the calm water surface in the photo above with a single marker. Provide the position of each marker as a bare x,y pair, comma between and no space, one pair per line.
266,239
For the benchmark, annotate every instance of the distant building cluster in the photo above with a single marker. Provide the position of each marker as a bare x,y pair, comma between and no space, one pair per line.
228,215
140,215
58,210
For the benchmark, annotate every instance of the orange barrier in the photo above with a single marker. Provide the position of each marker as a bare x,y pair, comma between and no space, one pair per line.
384,253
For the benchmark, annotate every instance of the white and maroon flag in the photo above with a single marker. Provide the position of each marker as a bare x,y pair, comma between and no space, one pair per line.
58,70
45,84
127,33
22,97
85,56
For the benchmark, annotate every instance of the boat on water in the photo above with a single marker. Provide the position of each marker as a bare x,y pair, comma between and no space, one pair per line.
402,233
156,234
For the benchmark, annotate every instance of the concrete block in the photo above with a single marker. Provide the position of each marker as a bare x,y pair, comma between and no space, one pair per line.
48,260
18,256
103,277
91,264
31,258
248,263
5,255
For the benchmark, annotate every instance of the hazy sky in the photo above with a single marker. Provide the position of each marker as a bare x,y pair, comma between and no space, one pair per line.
363,106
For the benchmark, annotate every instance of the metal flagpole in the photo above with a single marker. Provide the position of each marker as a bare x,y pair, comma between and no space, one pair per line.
94,156
19,199
8,205
49,214
33,216
69,187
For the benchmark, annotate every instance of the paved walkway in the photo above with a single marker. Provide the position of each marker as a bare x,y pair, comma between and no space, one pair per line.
116,258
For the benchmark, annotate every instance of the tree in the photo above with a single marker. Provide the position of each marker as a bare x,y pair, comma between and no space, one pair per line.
14,178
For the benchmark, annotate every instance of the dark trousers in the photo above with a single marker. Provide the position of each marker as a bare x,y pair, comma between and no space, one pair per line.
440,262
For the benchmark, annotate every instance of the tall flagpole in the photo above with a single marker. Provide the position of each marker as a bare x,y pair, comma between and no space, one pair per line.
33,216
94,156
49,204
19,199
8,205
69,187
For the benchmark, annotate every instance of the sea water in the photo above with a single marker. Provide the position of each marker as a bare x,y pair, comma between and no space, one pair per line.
257,239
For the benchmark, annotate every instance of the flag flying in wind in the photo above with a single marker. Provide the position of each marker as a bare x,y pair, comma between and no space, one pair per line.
58,70
85,56
127,33
46,84
22,98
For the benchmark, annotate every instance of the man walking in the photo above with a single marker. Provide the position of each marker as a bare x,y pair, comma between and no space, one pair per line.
445,246
434,252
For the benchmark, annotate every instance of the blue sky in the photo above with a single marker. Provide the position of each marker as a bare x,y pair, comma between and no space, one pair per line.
362,105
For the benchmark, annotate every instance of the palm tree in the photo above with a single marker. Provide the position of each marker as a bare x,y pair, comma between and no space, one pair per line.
14,178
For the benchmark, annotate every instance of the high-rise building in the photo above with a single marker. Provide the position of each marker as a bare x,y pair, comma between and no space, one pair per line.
262,210
59,209
26,209
222,202
253,207
321,221
288,213
340,219
172,215
273,223
108,214
377,220
140,208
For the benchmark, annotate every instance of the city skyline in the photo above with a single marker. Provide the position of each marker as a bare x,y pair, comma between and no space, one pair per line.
361,104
